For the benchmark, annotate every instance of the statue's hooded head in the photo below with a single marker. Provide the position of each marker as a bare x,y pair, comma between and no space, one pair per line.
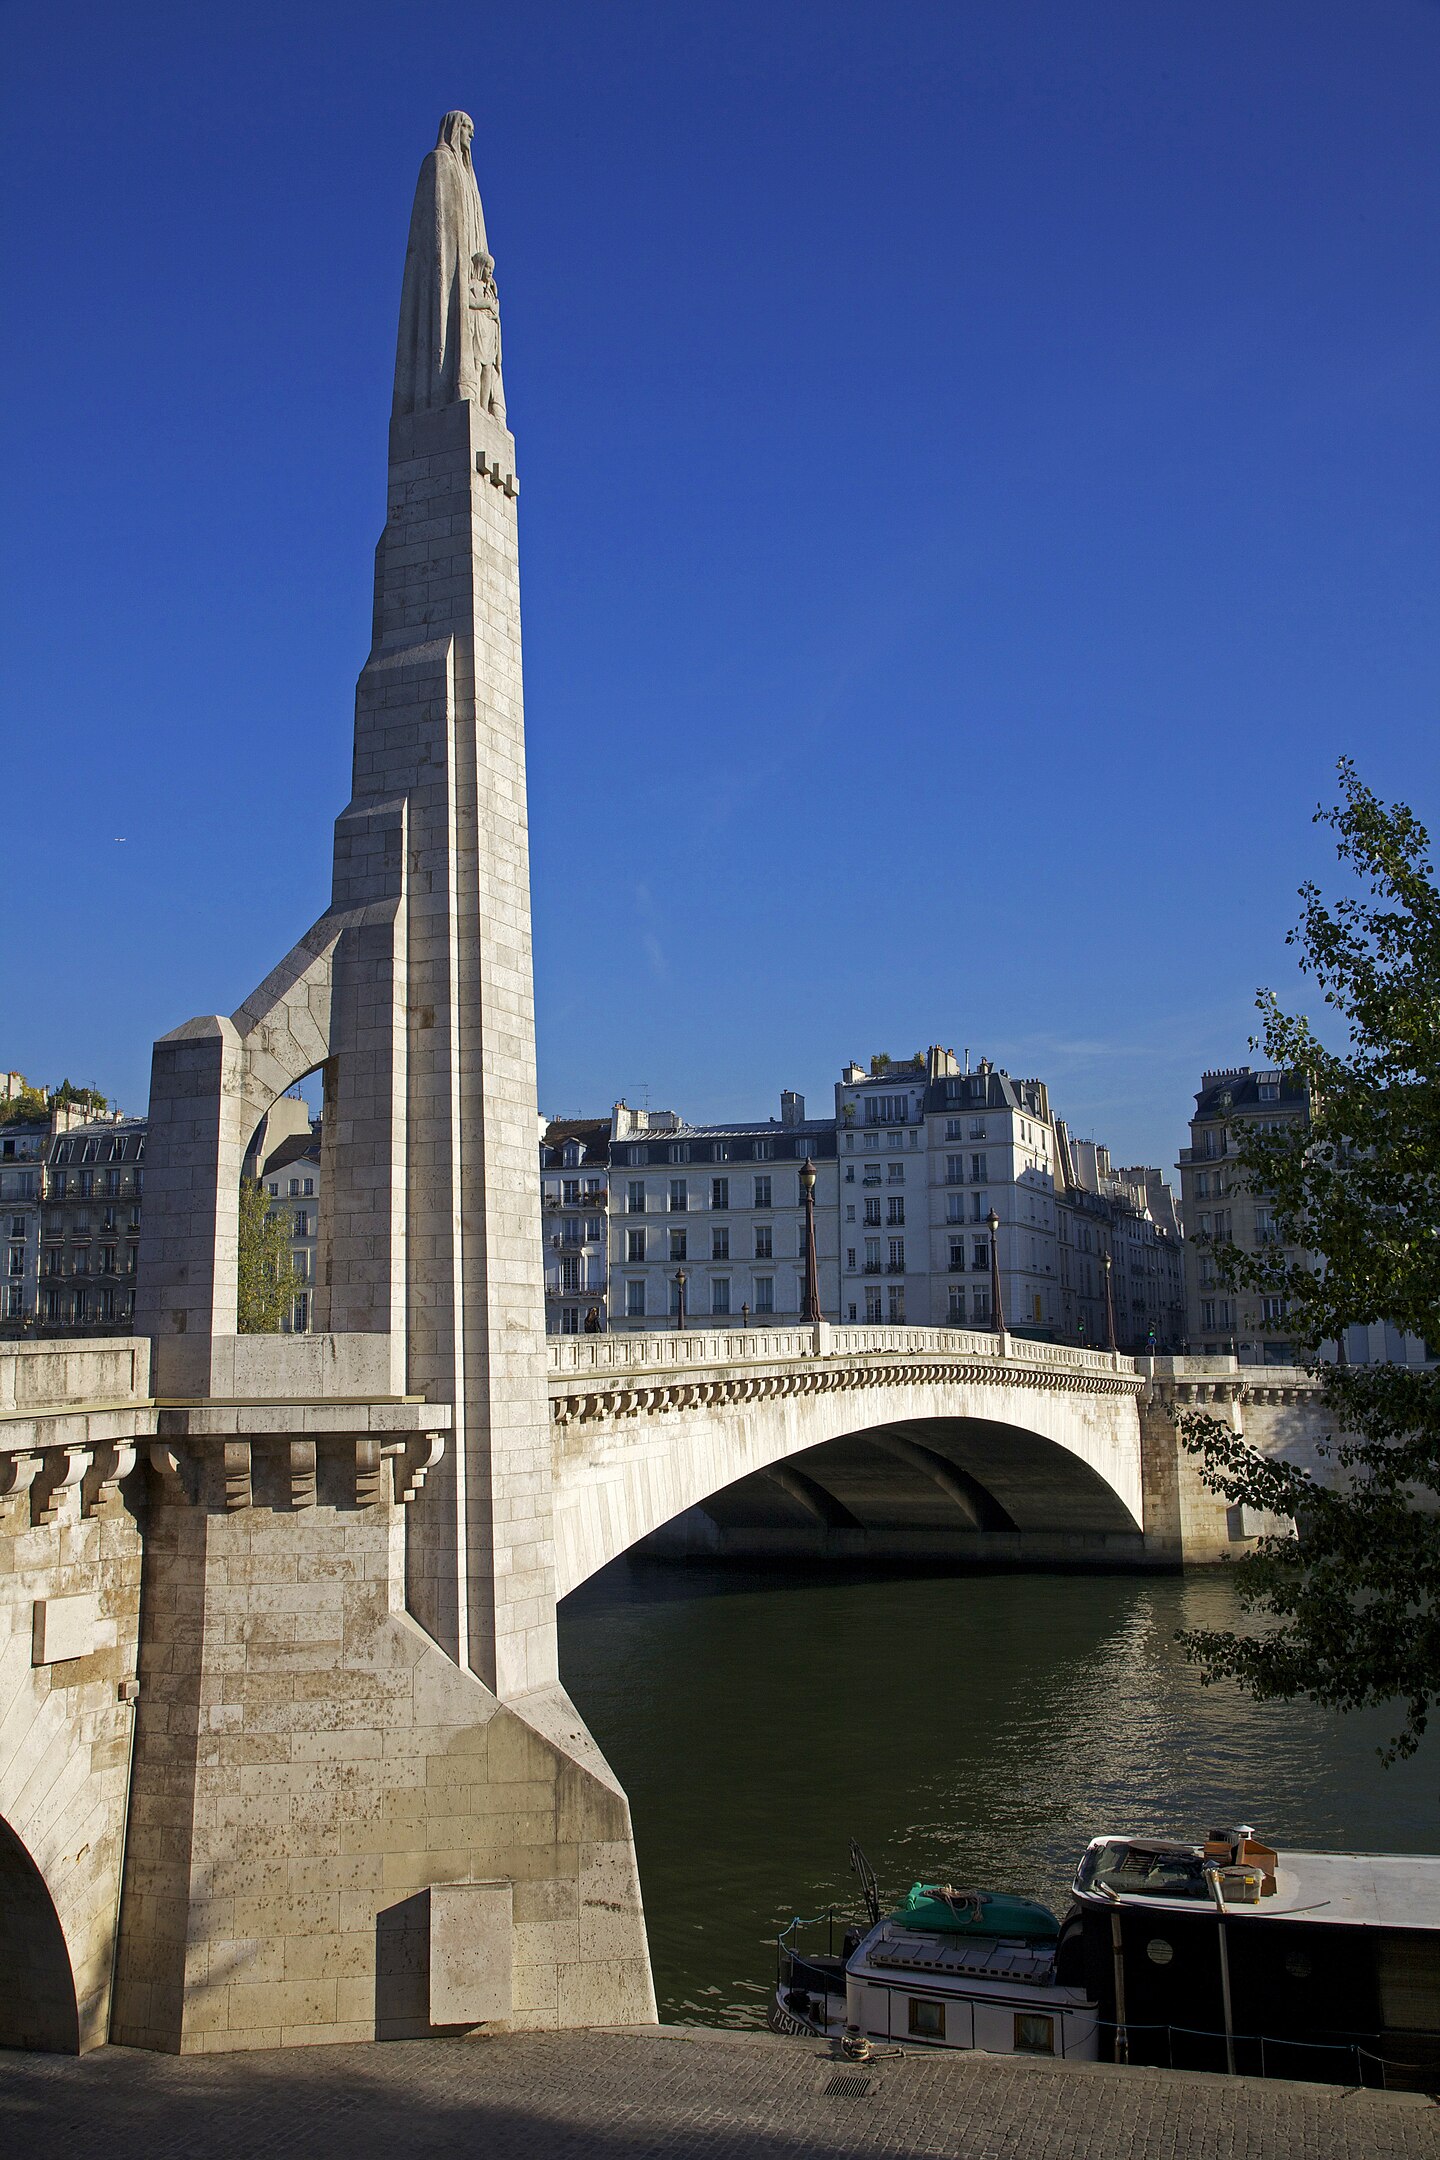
457,132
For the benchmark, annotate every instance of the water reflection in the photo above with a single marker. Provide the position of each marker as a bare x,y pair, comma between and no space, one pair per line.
976,1727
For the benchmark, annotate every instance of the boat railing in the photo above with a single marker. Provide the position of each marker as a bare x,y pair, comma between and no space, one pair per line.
1266,2055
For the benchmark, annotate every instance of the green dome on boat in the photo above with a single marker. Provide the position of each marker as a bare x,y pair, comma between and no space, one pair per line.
941,1910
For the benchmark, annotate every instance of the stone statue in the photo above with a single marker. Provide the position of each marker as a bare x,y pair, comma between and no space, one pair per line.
449,342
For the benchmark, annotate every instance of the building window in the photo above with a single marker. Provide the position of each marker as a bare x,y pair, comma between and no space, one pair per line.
635,1245
1034,2033
897,1256
764,1293
720,1294
594,1229
887,1109
13,1307
679,1196
274,1188
850,1258
895,1212
570,1191
980,1257
980,1307
926,2019
107,1260
896,1305
764,1242
977,1128
302,1222
106,1305
569,1319
1272,1311
954,1128
678,1244
302,1313
896,1172
872,1211
954,1207
979,1169
1207,1314
954,1169
764,1149
762,1192
570,1272
872,1255
719,1192
635,1202
720,1242
873,1308
635,1300
957,1304
17,1259
307,1187
957,1256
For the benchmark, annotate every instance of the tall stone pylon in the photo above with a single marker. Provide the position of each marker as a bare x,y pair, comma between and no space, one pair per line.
435,845
361,1804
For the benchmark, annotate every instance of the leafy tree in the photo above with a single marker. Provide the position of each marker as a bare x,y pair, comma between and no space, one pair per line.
1349,1609
267,1282
37,1102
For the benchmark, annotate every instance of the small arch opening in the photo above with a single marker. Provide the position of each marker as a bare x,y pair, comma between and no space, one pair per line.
37,1987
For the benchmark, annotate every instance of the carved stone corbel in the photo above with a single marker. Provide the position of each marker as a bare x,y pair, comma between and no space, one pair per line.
238,1492
302,1473
17,1474
369,1473
64,1470
173,1472
101,1489
414,1464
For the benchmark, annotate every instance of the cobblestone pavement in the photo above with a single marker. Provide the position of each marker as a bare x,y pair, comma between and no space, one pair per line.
684,2095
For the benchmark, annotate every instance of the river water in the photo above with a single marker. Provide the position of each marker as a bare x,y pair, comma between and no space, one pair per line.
978,1729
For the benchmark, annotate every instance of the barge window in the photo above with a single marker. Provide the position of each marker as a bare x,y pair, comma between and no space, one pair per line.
1034,2033
927,2019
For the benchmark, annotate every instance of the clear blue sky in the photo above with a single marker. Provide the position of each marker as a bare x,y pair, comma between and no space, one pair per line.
980,470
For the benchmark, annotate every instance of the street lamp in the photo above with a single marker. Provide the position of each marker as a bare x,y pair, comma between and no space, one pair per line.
744,1315
1107,1263
680,1298
996,1306
812,1314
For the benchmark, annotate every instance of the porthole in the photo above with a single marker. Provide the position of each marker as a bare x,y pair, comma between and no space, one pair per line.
1159,1951
1297,1964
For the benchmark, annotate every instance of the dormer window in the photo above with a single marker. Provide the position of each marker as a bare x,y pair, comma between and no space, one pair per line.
572,1154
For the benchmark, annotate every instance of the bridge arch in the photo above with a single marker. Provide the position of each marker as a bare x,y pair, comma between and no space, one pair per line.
1010,1454
38,2003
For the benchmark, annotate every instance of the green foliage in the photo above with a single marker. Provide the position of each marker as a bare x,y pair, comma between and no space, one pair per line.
267,1282
880,1063
36,1102
1350,1610
23,1109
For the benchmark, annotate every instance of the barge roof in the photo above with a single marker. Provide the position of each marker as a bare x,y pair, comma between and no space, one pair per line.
1385,1890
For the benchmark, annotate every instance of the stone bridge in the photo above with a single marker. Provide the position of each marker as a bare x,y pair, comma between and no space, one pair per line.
894,1443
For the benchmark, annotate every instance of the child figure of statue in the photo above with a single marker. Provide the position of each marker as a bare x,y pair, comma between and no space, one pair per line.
484,303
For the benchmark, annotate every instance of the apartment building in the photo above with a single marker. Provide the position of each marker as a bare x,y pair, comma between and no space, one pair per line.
574,1199
290,1174
23,1148
707,1222
94,1181
1217,1210
929,1150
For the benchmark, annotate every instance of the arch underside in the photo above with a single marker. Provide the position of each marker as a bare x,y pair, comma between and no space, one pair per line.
974,1489
38,2008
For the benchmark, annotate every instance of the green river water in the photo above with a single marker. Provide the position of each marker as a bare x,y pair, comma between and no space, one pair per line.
975,1728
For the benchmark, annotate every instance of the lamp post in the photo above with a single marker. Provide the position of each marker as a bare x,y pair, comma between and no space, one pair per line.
680,1298
997,1308
744,1315
812,1314
1106,1263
